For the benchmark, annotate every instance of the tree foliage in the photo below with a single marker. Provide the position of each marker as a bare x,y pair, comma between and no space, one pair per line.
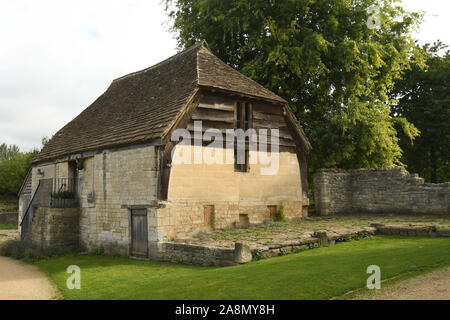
323,58
13,172
14,166
8,152
424,99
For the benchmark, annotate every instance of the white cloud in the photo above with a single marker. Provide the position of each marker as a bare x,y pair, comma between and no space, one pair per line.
436,24
56,57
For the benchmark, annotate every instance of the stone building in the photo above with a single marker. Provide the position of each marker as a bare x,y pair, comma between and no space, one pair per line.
115,162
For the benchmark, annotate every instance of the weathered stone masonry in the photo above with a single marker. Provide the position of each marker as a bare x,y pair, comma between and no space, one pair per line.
113,181
110,182
55,227
388,190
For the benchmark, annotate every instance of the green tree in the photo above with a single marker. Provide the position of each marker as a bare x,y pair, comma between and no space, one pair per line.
424,99
45,140
8,152
14,166
324,58
13,172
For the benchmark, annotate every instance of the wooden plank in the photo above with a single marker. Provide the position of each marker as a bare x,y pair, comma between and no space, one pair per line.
282,142
217,106
281,147
213,115
212,125
287,149
215,98
285,134
266,108
266,116
286,142
264,124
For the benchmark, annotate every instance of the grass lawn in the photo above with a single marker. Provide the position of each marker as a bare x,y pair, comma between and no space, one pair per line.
8,226
315,274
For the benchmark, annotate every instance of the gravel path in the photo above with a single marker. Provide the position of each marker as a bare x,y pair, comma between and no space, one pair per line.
8,235
19,281
431,286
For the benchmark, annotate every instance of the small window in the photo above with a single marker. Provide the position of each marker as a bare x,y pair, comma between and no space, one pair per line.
272,212
243,120
244,221
208,215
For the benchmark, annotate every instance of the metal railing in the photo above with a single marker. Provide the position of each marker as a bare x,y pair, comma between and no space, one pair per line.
64,193
41,198
54,193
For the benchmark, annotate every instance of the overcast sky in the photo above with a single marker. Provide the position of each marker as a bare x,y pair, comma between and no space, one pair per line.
58,56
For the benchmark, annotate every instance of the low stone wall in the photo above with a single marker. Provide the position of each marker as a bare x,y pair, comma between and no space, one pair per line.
8,218
9,210
56,227
388,190
243,253
205,256
322,238
410,231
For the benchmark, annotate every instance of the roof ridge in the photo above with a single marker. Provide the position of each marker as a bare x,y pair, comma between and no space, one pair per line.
200,44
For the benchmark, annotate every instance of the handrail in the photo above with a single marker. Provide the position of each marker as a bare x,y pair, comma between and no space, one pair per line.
31,203
62,187
46,194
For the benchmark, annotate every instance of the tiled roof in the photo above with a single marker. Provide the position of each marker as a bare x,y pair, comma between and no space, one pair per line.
142,106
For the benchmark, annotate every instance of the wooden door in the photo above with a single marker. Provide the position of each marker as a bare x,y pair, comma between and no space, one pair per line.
244,221
272,212
139,238
208,216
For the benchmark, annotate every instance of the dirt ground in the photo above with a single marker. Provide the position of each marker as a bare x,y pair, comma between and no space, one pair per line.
19,281
431,286
8,235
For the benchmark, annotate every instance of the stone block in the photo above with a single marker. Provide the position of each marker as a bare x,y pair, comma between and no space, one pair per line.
242,253
323,238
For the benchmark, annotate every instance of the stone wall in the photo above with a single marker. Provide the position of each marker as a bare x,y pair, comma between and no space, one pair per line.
410,231
9,210
388,190
201,197
196,255
110,183
232,199
178,220
55,227
221,183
